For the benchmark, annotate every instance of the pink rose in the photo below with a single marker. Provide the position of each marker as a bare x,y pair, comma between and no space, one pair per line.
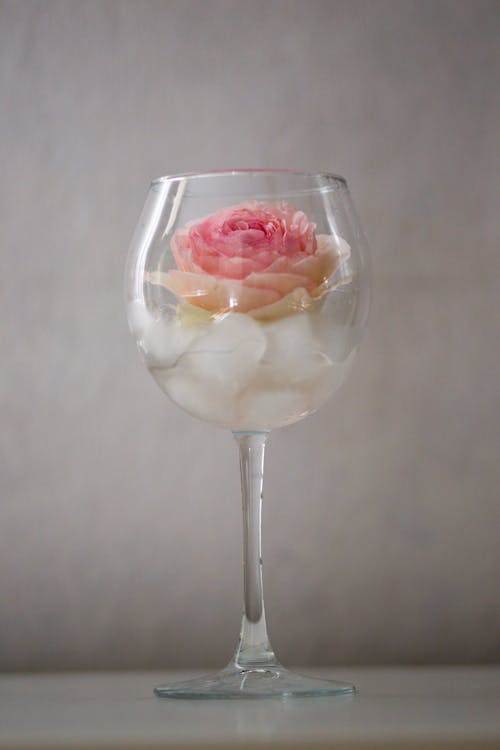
257,258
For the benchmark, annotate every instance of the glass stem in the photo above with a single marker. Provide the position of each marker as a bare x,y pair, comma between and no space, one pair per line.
254,650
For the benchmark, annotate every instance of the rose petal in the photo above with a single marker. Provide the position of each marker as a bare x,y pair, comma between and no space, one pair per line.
181,248
296,301
210,293
334,244
318,267
281,282
232,268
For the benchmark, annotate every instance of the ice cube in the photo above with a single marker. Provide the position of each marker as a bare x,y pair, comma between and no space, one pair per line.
228,352
293,352
201,398
265,406
139,317
162,340
268,408
336,338
208,375
165,341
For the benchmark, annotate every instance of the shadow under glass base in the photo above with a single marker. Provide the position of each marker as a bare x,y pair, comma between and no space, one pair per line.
235,682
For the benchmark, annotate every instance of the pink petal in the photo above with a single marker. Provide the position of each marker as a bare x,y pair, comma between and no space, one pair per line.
231,268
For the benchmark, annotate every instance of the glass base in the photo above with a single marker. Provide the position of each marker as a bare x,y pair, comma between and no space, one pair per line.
254,682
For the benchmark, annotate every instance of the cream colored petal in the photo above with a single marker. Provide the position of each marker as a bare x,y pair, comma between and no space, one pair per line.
341,273
284,283
191,315
210,293
183,283
330,254
335,244
295,301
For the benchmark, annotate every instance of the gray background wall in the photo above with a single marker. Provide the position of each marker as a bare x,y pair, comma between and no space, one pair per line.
120,515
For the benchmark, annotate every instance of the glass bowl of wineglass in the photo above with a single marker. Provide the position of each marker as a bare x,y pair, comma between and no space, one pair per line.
247,293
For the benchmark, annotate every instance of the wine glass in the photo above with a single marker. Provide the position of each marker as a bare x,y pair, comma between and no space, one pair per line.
247,293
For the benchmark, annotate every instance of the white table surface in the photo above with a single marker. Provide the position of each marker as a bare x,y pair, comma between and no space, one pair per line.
452,707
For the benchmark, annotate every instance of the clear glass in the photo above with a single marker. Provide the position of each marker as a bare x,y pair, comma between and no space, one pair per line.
247,293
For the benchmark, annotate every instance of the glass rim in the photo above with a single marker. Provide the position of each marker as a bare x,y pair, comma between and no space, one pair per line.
198,174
